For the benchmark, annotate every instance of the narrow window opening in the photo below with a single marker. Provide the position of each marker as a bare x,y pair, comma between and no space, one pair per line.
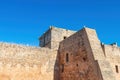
62,68
117,70
67,57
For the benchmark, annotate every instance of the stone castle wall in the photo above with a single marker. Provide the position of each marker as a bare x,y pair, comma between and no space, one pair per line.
58,35
112,54
62,55
54,36
88,58
97,51
19,62
76,59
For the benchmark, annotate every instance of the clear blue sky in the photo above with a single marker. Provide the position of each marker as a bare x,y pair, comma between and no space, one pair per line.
23,21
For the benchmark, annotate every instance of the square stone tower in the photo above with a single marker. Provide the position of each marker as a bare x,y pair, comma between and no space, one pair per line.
53,36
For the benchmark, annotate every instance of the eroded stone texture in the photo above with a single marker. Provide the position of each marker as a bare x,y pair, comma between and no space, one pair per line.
62,55
112,54
89,59
79,66
19,62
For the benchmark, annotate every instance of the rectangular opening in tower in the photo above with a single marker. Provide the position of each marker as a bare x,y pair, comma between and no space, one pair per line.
116,67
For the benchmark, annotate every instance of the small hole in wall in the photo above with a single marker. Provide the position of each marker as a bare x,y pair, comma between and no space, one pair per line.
77,65
84,58
64,37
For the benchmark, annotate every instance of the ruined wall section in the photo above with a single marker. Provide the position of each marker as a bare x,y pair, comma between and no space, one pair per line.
76,63
18,62
113,56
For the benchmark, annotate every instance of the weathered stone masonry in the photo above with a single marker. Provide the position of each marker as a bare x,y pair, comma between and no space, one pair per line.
62,55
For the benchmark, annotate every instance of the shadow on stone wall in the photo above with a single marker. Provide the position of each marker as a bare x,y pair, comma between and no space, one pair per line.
56,68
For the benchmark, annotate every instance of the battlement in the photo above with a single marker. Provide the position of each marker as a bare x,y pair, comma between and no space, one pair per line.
5,44
111,49
16,50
